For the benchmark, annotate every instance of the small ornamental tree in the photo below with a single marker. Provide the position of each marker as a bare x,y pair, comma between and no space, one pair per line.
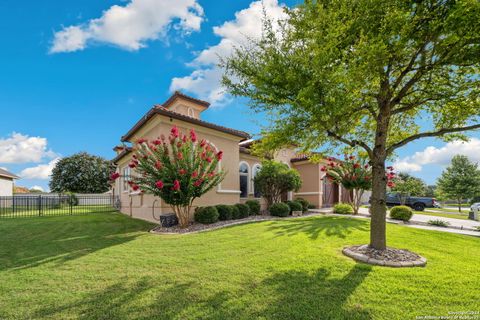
352,174
178,169
275,179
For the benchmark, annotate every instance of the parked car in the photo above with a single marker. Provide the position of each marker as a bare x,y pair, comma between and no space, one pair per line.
416,203
474,213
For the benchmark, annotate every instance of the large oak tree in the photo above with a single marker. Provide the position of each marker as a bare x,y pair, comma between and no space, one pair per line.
369,74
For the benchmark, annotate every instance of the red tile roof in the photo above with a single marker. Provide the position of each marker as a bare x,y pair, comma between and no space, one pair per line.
161,110
178,94
122,154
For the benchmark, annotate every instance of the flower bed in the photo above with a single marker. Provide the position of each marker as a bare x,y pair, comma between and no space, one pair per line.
198,227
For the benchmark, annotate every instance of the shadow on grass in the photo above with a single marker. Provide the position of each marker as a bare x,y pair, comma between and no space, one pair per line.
314,227
30,242
285,295
300,295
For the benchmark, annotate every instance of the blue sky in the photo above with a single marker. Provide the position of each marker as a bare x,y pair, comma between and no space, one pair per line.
76,75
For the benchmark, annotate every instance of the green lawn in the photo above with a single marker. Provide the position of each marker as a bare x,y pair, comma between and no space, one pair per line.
106,266
457,215
33,211
464,210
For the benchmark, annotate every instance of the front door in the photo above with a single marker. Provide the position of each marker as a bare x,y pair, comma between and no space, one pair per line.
330,193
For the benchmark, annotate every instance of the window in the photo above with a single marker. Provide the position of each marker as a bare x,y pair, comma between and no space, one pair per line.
125,178
243,180
256,192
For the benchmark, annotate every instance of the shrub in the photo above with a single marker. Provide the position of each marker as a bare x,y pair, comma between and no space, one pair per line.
295,206
254,206
305,204
401,213
235,212
311,206
224,212
275,179
343,208
243,209
279,209
206,215
438,223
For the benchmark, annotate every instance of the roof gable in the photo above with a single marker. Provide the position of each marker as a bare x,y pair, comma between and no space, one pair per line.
6,174
161,110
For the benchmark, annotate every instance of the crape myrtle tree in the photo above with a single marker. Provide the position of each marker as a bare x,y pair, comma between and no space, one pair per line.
81,173
178,169
353,174
461,180
372,75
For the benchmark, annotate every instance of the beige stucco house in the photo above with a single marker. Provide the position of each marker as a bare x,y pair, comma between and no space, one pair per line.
6,183
240,165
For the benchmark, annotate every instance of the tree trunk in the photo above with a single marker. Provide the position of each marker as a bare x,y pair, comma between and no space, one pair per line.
459,205
183,215
378,205
357,197
378,237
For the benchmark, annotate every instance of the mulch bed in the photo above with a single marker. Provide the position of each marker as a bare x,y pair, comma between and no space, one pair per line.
390,257
198,227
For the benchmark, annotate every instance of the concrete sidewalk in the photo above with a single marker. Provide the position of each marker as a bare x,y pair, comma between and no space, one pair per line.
420,221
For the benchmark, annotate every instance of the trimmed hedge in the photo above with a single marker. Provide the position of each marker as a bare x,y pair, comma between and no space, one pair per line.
403,213
235,212
295,206
279,209
343,208
305,204
254,206
243,209
206,215
224,212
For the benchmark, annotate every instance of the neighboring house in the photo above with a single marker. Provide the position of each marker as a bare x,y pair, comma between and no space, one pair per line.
6,183
240,165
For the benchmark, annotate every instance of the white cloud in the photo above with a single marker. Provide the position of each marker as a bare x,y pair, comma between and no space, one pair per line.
204,81
440,156
38,188
19,148
130,26
41,171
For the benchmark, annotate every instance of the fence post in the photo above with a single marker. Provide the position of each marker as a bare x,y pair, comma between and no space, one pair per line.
39,205
70,201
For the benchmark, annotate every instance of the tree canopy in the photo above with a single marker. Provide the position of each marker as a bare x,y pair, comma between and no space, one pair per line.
274,179
368,74
178,170
461,180
406,185
81,173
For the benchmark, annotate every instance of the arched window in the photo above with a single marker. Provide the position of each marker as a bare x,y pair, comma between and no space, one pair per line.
125,178
255,169
244,171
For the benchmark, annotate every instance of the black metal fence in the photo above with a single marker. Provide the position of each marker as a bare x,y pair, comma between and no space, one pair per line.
56,205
